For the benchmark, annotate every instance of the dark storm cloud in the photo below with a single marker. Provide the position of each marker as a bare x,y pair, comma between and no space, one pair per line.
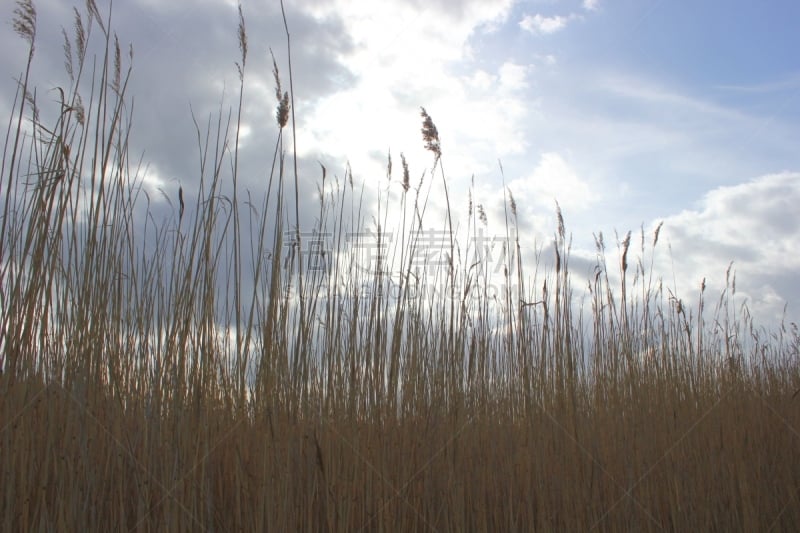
184,57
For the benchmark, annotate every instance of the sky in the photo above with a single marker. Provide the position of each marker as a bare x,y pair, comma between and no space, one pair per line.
628,113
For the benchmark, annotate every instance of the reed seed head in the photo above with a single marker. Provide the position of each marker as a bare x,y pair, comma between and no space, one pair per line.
430,134
406,176
282,113
242,44
512,202
24,22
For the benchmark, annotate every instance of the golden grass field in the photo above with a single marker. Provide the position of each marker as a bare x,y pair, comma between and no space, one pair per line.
198,376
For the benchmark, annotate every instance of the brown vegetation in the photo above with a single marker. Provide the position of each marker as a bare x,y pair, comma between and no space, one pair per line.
142,392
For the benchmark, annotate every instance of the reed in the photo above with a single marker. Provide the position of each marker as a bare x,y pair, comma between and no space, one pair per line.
206,373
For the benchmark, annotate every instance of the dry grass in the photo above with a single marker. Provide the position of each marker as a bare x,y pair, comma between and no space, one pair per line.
142,392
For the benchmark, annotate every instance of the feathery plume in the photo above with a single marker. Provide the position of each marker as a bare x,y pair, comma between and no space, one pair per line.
25,21
94,13
282,113
115,82
67,47
482,215
406,176
242,44
430,134
625,245
562,232
658,230
80,35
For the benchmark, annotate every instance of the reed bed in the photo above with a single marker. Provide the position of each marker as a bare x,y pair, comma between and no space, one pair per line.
206,373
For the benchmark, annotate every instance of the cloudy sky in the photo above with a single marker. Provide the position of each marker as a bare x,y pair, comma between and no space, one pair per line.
627,112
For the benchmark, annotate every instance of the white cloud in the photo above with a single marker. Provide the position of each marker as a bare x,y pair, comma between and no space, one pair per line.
401,60
544,25
481,80
552,180
638,136
754,225
513,77
590,5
